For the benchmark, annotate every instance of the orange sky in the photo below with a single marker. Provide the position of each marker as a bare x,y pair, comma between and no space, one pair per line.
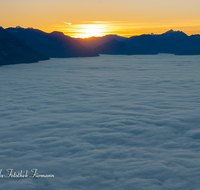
83,18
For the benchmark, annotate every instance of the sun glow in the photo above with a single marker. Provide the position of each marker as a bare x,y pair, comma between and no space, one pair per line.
126,29
90,30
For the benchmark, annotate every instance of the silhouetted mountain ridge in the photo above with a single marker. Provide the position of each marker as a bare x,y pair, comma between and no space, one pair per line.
20,45
175,42
13,51
53,45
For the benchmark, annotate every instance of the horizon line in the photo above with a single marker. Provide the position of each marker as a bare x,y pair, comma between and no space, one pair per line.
107,34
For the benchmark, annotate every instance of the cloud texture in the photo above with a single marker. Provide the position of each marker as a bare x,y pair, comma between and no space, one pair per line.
108,122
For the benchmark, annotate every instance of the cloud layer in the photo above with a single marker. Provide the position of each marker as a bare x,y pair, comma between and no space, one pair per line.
108,122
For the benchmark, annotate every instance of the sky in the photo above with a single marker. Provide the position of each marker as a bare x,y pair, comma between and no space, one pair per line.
80,18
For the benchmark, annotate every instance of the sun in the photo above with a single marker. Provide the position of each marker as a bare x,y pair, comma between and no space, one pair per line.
90,30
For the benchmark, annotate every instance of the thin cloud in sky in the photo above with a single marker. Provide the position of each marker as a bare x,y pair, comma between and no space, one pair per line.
68,23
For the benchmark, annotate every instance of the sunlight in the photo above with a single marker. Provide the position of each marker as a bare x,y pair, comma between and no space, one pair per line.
126,29
90,30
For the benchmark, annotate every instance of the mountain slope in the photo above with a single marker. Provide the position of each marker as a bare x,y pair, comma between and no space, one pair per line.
93,42
113,47
55,44
13,51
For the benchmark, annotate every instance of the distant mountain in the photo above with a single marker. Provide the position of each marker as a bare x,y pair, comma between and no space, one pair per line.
175,42
13,51
20,45
179,43
144,44
135,45
54,45
96,41
113,47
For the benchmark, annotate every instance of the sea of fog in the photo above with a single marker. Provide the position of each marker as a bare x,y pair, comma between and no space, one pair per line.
101,123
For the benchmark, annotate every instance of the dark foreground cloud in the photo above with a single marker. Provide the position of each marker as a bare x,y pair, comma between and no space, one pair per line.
112,122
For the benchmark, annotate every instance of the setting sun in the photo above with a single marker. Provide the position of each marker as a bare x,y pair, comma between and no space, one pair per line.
90,30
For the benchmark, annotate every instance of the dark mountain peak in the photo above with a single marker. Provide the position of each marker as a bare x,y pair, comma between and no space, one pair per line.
56,33
14,51
18,27
21,30
170,31
145,35
177,33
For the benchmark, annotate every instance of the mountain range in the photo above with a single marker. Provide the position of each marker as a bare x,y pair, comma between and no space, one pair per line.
174,42
53,45
27,45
